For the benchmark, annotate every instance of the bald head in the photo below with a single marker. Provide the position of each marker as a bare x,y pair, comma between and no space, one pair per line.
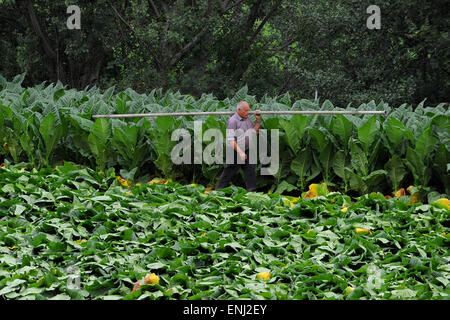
243,109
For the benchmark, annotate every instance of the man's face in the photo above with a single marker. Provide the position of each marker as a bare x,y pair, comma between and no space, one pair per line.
244,111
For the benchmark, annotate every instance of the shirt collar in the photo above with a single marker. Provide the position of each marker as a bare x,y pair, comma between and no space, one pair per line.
239,117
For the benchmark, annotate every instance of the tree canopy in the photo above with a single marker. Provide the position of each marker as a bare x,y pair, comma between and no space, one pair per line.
218,46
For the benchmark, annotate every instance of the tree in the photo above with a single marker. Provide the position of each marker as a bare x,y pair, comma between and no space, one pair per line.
218,46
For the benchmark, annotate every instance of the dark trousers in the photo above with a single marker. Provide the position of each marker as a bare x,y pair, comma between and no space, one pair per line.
231,169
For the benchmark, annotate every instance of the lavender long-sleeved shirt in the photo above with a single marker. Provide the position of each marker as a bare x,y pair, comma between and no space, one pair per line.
237,122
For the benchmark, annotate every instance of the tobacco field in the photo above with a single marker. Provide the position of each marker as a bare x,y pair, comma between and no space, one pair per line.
45,125
358,210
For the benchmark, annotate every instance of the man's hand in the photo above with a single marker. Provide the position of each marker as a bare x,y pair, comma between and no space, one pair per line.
258,120
257,115
238,150
242,155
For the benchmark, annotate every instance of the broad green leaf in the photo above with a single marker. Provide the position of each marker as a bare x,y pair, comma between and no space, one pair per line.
396,171
421,173
9,260
326,160
319,139
284,186
125,143
98,139
343,128
358,159
108,94
112,297
60,296
300,123
367,132
19,210
340,162
374,180
300,166
82,123
403,293
425,145
58,94
271,123
395,131
164,124
291,134
50,133
356,182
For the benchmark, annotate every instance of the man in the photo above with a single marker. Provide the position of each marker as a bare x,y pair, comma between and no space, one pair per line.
240,120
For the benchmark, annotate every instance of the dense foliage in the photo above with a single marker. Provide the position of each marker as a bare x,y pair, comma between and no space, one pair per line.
46,125
219,46
57,225
97,209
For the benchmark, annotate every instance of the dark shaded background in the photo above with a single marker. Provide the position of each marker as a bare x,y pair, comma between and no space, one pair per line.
218,46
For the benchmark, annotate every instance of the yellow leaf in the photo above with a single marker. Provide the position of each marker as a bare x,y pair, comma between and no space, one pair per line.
148,279
316,190
289,201
348,290
158,181
123,182
309,195
313,189
444,202
399,193
410,189
344,209
414,198
151,279
363,230
208,190
263,275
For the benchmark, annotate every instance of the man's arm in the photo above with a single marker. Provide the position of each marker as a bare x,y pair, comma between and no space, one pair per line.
235,146
258,121
231,139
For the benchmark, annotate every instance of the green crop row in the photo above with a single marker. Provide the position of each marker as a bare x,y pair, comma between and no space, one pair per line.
72,233
45,125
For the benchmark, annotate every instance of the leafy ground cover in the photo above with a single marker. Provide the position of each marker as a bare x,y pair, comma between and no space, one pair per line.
201,244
